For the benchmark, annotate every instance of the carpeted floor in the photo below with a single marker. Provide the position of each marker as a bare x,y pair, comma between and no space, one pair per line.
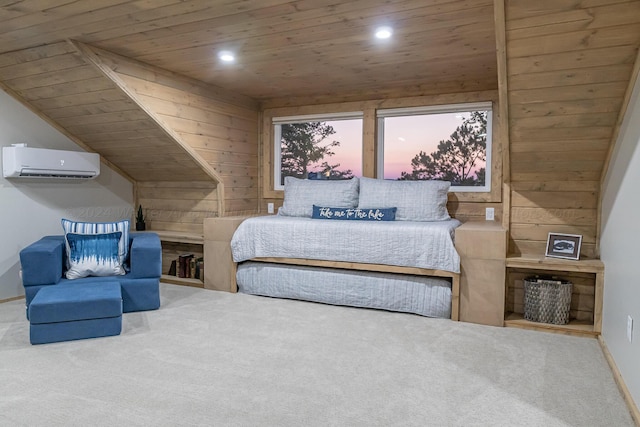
212,358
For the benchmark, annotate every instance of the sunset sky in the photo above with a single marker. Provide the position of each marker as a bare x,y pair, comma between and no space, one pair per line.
404,138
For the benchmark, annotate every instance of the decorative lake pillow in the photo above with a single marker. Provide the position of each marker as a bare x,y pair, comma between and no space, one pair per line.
93,255
301,194
415,200
387,214
100,228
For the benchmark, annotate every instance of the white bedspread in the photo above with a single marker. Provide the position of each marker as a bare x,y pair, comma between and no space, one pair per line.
401,243
424,295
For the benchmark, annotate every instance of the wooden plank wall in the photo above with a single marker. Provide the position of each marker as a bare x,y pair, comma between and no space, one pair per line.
464,206
61,86
223,134
177,205
569,64
65,87
222,130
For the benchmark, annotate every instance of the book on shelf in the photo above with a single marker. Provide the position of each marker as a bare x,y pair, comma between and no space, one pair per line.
184,265
191,273
172,268
199,268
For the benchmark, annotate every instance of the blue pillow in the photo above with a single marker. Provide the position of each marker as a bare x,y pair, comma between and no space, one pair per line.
93,255
102,227
373,214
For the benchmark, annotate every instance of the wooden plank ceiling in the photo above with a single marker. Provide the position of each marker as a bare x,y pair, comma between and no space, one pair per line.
158,132
63,87
284,48
568,68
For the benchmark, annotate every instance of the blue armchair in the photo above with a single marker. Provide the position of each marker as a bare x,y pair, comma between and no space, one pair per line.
43,264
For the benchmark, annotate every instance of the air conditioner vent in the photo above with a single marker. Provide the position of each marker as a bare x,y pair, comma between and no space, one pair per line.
25,162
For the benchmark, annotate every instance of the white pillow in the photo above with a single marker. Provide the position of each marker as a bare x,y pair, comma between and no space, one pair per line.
415,200
301,194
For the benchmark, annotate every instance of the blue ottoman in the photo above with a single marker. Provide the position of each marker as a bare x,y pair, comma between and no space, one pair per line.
71,311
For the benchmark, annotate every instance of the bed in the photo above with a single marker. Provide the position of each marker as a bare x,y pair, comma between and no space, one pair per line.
407,264
423,295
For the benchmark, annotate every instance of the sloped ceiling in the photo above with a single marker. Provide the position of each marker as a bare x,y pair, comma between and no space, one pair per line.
285,49
63,87
569,63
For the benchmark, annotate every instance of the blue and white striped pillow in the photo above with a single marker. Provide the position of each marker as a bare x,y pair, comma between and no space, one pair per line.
93,255
101,228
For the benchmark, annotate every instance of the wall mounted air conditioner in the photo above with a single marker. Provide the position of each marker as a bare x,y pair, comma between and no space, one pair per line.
19,161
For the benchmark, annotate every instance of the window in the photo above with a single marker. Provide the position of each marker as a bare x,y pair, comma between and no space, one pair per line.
323,146
449,142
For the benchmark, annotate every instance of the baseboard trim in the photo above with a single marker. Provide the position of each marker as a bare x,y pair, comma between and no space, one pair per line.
11,299
633,409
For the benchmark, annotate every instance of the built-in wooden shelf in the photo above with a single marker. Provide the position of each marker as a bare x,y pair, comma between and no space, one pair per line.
574,327
481,246
175,280
180,237
537,262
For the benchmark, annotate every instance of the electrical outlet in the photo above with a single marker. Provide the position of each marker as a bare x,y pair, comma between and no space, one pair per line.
629,328
270,208
489,214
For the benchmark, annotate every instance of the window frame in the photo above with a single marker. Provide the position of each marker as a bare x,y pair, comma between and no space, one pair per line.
381,114
500,175
278,121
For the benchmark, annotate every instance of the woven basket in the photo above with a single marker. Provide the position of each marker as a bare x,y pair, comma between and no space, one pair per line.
547,301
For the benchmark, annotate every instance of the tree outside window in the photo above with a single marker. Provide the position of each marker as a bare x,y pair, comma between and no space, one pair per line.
449,143
461,159
320,149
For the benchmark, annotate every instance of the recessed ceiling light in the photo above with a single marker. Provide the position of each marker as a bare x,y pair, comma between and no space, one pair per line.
226,56
384,32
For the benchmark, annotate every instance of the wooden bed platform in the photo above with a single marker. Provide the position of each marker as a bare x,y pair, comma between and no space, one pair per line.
220,271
